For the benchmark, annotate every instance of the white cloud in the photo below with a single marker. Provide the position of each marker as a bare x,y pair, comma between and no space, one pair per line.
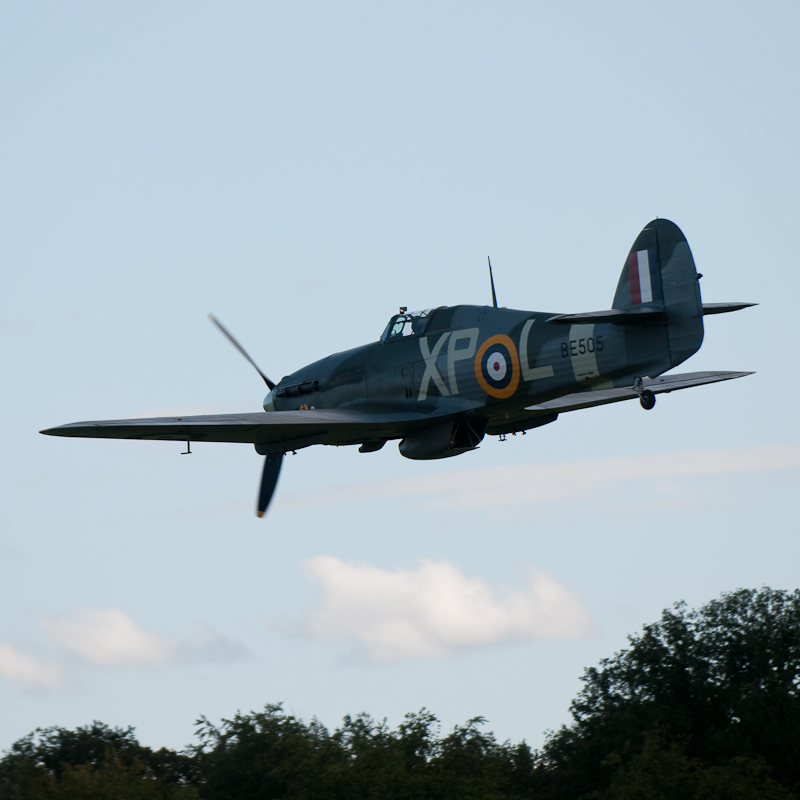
521,484
110,639
28,672
435,609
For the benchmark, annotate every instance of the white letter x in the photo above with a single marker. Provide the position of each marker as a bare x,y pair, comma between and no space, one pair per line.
430,367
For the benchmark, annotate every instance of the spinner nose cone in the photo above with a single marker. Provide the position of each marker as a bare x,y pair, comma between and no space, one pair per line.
269,402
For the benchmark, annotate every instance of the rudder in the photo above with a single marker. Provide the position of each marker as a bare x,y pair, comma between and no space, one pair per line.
660,273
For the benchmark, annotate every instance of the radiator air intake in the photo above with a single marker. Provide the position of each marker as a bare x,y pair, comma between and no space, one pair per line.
444,440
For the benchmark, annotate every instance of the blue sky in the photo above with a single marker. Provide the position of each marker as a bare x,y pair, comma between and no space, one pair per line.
302,171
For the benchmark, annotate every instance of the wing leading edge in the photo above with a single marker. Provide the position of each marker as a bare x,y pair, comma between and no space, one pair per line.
292,429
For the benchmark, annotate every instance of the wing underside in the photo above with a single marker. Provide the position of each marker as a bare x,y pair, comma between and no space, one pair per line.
661,385
290,430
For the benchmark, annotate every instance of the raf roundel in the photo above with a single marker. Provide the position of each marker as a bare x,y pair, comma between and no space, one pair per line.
497,367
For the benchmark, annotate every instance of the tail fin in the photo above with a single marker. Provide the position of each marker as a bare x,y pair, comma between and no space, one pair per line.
659,273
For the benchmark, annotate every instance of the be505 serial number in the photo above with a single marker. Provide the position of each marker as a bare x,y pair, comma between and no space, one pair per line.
577,347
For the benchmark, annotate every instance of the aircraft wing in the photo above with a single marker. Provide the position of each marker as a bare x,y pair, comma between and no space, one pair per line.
295,429
660,385
291,429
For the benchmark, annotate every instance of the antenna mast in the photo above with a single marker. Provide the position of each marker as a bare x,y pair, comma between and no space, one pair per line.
491,279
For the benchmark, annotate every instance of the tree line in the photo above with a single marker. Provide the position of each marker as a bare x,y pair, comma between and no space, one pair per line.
702,704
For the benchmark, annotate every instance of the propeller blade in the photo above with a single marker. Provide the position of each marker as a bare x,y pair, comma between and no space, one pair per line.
269,480
241,349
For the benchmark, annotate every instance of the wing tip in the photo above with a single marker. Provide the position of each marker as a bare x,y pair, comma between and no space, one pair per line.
62,430
57,431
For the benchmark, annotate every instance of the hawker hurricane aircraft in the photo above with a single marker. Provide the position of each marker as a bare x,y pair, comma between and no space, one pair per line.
440,380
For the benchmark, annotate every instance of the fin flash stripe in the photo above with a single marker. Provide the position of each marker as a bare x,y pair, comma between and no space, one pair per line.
639,276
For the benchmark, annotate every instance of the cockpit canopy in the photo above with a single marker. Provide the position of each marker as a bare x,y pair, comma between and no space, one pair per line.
411,323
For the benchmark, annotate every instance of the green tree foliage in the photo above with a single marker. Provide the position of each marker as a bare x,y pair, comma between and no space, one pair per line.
273,755
703,705
264,754
270,754
94,762
713,692
663,771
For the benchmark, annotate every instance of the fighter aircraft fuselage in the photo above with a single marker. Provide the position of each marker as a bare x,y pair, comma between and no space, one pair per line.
469,358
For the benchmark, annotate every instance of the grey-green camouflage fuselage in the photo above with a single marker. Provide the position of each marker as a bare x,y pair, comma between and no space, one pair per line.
446,367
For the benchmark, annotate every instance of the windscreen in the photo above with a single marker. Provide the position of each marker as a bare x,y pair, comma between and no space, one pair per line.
409,324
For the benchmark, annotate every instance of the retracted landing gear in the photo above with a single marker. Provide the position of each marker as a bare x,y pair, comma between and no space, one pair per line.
646,398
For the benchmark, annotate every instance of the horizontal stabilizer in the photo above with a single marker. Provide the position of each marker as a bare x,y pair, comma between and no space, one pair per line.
618,316
724,308
662,384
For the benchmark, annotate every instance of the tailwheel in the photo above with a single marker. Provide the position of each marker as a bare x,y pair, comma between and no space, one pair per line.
647,399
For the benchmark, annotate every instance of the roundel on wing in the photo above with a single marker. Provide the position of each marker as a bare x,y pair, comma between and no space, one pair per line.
497,366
